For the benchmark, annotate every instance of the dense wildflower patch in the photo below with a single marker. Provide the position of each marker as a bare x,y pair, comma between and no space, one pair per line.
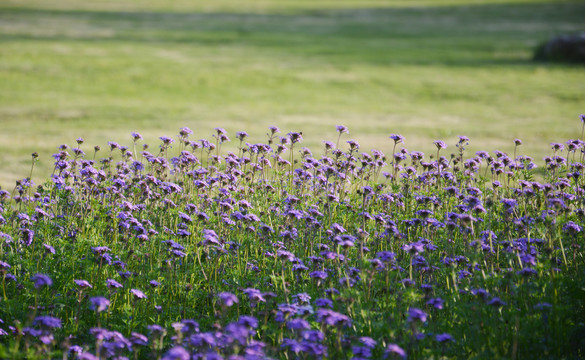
277,252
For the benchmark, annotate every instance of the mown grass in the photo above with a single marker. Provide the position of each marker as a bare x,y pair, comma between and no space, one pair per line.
425,69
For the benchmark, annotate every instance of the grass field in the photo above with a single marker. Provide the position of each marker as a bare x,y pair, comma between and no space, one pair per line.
424,69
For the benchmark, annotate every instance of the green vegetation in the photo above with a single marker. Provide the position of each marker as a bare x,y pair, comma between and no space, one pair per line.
425,69
213,255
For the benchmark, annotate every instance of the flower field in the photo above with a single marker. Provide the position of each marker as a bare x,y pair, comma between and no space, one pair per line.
182,251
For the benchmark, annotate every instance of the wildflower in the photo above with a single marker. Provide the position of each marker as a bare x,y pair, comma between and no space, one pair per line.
138,294
111,283
440,144
227,299
322,303
368,342
298,324
496,302
395,349
443,338
295,137
47,322
322,275
397,138
82,284
342,129
177,353
415,314
99,303
437,303
49,249
41,280
571,228
313,335
248,321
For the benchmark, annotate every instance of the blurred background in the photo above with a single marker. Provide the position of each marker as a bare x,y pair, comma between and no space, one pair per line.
425,69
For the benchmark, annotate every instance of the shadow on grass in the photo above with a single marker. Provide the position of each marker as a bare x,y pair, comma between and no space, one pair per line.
448,35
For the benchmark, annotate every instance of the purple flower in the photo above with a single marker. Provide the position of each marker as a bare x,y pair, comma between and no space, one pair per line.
138,294
437,303
496,302
42,280
227,299
332,318
396,350
177,353
99,303
47,322
298,324
82,284
571,228
415,314
138,339
313,335
322,275
323,302
442,338
156,330
397,138
49,248
248,321
440,144
166,140
342,129
111,283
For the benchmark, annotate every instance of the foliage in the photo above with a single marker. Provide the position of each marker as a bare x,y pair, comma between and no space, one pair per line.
274,252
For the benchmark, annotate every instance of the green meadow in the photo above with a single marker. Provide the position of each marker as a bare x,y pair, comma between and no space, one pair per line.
427,70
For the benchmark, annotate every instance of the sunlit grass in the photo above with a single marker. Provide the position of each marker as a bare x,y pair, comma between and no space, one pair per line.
71,69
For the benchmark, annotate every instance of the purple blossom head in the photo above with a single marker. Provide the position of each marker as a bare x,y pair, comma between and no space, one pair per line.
112,284
298,324
394,349
440,144
368,342
342,129
49,249
397,138
415,314
437,303
496,302
295,137
138,294
177,353
99,303
82,284
47,322
41,280
443,338
571,228
241,135
227,299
